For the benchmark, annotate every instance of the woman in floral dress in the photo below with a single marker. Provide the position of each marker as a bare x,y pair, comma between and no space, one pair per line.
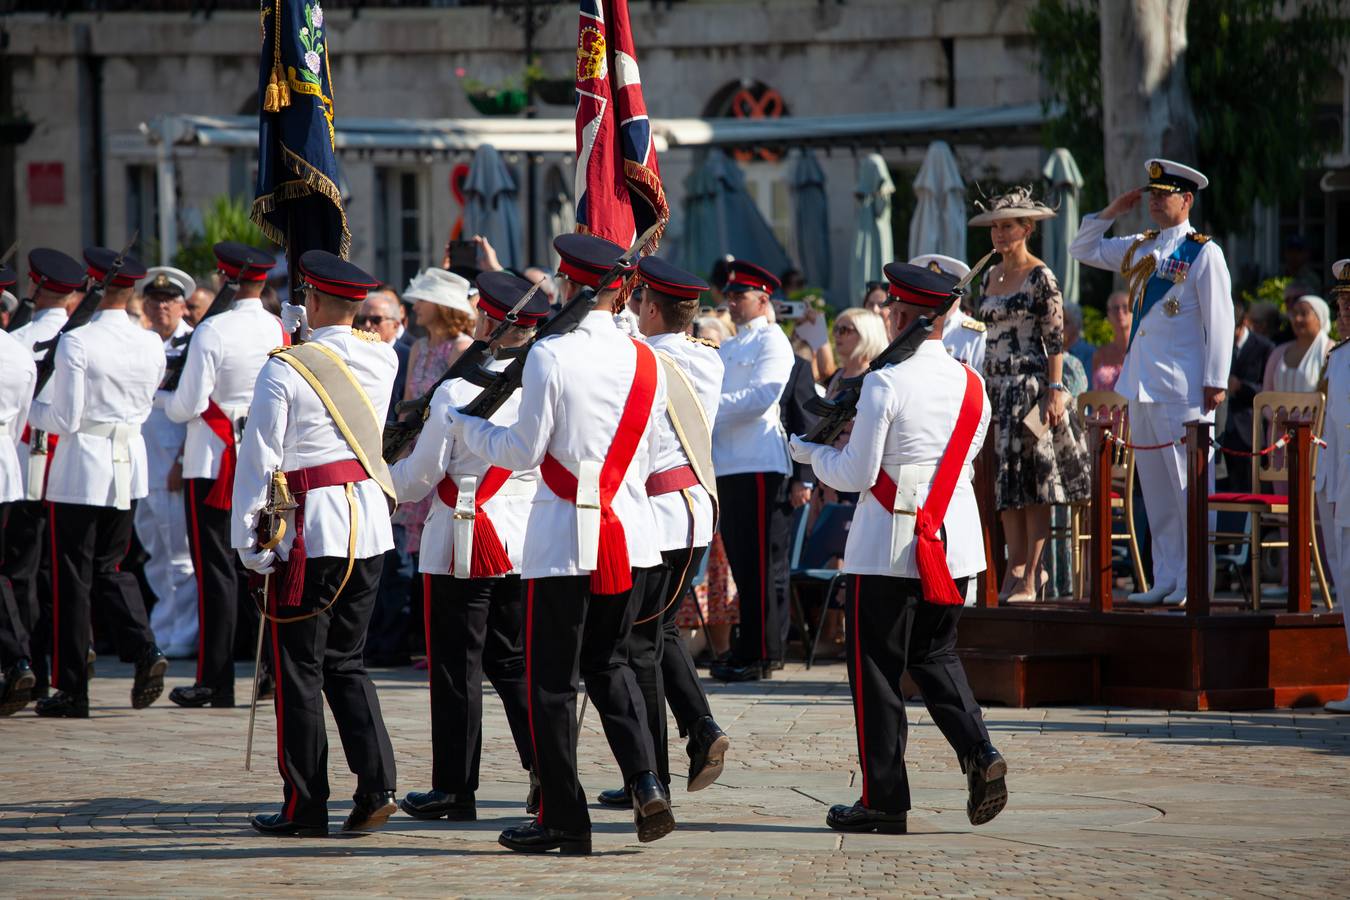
1023,368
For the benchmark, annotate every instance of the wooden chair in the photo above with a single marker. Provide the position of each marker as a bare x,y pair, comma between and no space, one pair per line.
1116,407
1271,410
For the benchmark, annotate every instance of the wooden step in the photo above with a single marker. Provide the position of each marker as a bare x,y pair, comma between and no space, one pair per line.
1033,679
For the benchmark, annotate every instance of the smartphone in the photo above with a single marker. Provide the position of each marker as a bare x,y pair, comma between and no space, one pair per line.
462,254
791,309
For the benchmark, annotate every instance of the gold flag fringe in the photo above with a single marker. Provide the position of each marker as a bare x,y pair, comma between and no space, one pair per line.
311,181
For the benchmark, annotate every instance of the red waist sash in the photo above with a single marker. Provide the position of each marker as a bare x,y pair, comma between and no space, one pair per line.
489,554
929,553
221,426
671,480
301,482
613,573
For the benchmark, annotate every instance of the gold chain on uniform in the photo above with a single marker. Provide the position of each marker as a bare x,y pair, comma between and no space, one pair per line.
1137,274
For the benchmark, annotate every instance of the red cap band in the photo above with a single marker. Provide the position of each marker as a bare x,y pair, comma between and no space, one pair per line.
918,298
119,280
585,276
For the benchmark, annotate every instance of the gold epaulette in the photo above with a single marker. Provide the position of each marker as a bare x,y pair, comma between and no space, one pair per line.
1198,237
973,324
367,336
274,351
698,340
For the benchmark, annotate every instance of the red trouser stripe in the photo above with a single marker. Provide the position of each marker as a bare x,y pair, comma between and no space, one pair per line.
529,687
56,597
858,684
278,670
426,620
195,543
763,569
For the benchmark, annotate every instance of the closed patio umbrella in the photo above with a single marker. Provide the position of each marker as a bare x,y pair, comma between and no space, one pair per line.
490,192
721,218
873,245
1058,233
811,219
939,223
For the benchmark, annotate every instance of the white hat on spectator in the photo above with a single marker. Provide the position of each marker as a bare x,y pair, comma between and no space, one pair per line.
443,288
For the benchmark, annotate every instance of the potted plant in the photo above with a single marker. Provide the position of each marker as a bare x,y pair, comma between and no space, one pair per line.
507,99
556,91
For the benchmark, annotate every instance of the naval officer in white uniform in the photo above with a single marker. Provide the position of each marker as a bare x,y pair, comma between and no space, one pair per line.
1333,470
1178,358
962,335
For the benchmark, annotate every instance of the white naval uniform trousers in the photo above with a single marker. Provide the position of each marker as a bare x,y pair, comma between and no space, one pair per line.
1333,476
1169,362
161,525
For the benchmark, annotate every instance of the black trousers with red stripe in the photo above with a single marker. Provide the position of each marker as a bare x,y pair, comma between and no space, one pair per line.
892,630
218,575
88,543
752,505
25,559
474,627
322,654
657,655
569,631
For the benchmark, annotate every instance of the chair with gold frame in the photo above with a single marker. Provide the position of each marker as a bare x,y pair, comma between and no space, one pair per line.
1116,407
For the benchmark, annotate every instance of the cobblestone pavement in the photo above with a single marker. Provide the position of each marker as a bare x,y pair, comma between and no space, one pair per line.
1104,802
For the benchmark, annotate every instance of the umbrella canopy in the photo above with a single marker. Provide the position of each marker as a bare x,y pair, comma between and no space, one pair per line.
1058,233
721,218
490,205
811,219
939,223
873,246
559,212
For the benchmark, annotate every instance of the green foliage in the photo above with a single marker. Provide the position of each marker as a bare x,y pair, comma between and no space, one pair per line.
1269,291
1254,67
1096,328
226,220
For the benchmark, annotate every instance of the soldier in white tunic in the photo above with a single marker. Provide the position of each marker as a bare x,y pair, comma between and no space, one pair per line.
26,561
1177,363
470,565
161,523
102,390
914,542
224,356
1333,469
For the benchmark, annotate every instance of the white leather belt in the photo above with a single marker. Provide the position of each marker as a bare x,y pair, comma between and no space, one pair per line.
120,433
908,480
35,474
588,514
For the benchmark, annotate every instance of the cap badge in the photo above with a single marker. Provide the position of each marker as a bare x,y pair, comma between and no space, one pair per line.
934,267
163,283
1155,170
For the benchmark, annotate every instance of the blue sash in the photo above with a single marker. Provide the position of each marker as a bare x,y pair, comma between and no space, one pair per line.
1169,274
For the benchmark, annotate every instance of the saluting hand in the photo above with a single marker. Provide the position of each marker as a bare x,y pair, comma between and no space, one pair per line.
1123,204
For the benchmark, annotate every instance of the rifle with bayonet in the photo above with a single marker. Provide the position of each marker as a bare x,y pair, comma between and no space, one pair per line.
79,316
503,384
469,365
837,412
224,299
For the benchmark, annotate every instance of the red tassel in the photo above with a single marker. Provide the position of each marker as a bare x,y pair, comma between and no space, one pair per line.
931,557
219,497
613,574
293,575
489,556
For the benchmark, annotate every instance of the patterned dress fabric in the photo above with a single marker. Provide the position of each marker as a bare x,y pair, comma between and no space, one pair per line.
1024,327
716,597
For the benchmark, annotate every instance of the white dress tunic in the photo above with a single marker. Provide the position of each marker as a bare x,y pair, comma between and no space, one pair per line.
748,434
18,374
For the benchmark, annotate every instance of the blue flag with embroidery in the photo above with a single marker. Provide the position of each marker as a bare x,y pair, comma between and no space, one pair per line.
297,202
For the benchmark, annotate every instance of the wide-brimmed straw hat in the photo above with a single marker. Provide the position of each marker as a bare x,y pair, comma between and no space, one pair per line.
1015,204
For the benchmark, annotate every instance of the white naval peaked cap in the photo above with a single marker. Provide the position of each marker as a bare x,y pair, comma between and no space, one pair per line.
166,278
1174,177
436,285
1340,270
939,263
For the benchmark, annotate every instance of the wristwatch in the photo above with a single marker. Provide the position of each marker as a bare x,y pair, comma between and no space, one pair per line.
1057,386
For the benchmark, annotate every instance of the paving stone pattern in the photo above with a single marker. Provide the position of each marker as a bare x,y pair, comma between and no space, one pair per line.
1104,802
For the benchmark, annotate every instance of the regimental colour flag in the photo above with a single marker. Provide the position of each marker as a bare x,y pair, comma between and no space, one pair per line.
618,185
297,202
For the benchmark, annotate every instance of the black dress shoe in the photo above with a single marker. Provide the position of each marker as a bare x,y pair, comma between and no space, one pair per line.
616,798
985,771
651,808
277,825
371,811
440,805
535,838
199,695
708,746
861,820
149,681
734,671
532,798
18,688
62,705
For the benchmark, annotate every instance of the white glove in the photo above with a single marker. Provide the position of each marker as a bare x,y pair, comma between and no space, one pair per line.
454,420
294,316
800,450
812,329
257,560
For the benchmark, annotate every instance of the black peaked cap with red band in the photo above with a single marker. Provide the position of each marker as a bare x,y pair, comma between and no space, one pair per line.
919,285
331,274
746,276
7,277
54,271
499,292
585,258
100,261
661,276
240,262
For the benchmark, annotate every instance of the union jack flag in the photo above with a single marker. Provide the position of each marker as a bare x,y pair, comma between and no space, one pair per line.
618,185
